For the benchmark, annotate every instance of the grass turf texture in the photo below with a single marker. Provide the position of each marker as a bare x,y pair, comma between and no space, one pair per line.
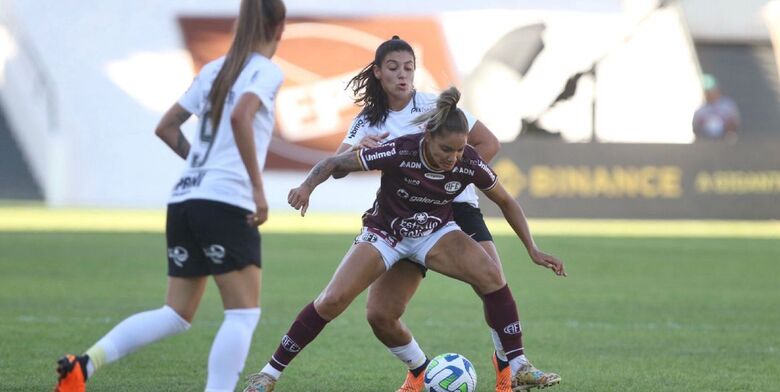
635,314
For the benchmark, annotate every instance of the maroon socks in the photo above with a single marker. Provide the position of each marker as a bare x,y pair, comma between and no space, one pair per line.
306,327
503,318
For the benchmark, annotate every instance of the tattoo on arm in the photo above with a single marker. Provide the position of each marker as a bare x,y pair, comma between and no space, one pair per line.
182,146
346,162
182,116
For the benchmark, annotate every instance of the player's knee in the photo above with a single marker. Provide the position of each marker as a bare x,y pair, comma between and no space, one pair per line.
490,278
382,318
330,304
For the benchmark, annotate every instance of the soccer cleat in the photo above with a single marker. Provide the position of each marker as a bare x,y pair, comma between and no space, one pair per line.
72,374
260,382
503,375
413,383
529,377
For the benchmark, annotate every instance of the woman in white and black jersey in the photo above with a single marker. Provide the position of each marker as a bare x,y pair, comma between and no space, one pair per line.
385,90
215,208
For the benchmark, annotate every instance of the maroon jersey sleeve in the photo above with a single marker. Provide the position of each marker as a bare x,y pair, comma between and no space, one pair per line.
484,176
379,158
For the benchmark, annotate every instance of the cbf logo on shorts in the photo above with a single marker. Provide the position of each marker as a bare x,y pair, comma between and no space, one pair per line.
418,225
178,255
216,253
369,237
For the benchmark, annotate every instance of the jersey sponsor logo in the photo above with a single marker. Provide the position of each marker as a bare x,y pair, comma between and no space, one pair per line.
353,131
411,165
513,329
178,255
412,181
434,176
463,170
486,168
290,344
427,200
402,193
216,253
379,155
452,186
418,225
187,182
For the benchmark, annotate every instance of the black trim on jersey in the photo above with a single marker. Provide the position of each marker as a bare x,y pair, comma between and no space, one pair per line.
415,109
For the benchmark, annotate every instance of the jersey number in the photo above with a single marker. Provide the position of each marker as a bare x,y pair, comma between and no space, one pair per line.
206,136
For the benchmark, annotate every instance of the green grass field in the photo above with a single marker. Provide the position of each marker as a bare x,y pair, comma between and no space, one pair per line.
635,314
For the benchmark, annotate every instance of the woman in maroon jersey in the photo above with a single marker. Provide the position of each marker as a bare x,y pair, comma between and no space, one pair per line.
412,218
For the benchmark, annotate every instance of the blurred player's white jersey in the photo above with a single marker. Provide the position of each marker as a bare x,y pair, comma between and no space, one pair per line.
399,124
214,168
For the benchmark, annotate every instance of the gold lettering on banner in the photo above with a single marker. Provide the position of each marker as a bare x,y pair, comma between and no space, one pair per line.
615,182
738,182
511,177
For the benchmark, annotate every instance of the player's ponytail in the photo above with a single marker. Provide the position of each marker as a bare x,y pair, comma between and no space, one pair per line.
257,22
368,90
446,117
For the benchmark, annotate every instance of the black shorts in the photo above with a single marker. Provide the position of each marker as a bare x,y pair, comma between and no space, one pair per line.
209,238
470,220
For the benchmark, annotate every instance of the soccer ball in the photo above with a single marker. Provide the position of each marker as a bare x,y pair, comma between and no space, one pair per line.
450,372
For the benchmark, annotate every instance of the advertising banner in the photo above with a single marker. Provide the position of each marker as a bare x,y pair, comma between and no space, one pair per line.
698,181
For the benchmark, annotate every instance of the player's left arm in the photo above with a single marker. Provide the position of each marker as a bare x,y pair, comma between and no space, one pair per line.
169,130
484,141
514,215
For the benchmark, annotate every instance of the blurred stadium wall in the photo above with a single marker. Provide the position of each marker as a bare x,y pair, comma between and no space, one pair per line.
82,84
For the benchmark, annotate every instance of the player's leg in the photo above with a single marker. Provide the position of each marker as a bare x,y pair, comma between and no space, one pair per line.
387,299
240,297
186,283
134,332
361,266
459,257
232,252
471,221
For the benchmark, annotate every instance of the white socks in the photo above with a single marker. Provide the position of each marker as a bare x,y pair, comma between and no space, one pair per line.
497,344
133,333
271,371
517,363
411,354
230,349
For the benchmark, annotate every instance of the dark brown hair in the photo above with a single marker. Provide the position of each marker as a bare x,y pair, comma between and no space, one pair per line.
368,89
257,23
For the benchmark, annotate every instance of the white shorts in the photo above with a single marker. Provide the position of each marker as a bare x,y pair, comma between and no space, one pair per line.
393,250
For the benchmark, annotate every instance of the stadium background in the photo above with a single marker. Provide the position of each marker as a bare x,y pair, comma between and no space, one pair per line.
83,180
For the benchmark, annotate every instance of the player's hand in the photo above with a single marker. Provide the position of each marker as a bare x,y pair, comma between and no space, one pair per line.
261,210
547,261
372,141
299,198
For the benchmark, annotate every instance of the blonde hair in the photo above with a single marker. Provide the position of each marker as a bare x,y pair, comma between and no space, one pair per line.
446,117
257,23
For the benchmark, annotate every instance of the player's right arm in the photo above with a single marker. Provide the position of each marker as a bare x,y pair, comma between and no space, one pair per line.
346,162
367,141
169,130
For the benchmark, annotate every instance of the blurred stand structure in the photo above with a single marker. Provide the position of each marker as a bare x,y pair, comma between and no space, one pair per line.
81,100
